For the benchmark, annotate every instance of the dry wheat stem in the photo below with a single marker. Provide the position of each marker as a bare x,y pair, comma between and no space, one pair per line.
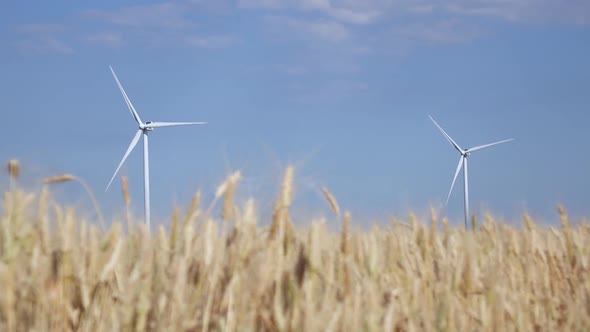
127,202
69,177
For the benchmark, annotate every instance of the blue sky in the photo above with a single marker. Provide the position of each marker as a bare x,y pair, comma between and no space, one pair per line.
342,89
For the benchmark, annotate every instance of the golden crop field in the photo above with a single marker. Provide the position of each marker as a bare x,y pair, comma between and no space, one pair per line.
208,272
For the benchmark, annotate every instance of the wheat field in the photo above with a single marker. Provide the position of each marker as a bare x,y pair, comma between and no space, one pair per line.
226,272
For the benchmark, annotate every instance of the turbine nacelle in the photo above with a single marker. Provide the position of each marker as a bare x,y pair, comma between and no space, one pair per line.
146,126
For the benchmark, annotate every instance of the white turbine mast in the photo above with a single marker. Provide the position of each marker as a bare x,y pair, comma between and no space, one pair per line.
465,153
144,128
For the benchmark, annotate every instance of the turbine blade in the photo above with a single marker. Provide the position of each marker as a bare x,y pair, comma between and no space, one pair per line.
455,178
127,101
488,145
453,143
129,149
172,124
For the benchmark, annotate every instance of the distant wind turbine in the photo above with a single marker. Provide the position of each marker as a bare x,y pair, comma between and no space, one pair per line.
463,164
144,128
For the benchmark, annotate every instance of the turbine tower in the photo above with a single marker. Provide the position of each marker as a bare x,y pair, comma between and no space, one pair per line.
144,128
465,153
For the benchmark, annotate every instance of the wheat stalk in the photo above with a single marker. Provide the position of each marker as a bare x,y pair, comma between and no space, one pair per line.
59,179
228,201
127,201
69,177
125,191
192,208
280,218
345,250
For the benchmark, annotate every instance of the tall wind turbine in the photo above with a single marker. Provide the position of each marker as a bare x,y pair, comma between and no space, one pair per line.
465,153
144,128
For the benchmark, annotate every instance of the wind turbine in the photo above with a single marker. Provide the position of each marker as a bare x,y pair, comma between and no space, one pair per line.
465,153
144,128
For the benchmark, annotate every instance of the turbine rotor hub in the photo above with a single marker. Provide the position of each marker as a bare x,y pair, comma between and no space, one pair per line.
146,126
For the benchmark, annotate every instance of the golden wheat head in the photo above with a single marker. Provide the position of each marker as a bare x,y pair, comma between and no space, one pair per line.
59,179
125,190
13,169
332,201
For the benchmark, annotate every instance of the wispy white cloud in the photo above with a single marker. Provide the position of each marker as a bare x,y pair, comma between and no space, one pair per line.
326,30
170,15
423,9
292,70
352,16
42,39
505,10
309,30
353,12
360,27
369,11
108,38
44,45
40,28
327,91
539,11
213,41
346,12
166,24
267,4
395,27
451,31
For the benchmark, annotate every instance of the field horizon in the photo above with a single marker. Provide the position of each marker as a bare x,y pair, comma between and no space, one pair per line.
82,198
